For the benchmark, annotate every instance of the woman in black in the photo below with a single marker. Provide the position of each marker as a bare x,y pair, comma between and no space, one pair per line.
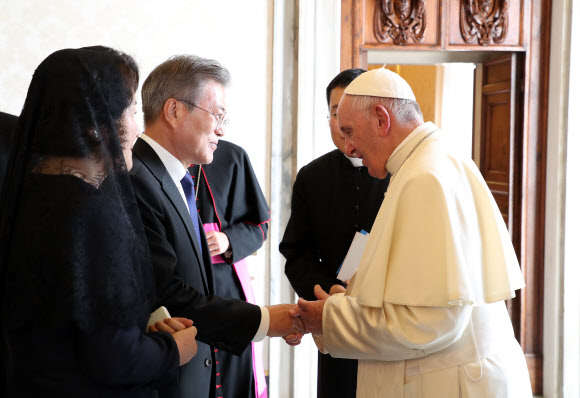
78,286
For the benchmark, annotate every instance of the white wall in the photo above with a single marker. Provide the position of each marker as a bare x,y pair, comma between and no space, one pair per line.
562,296
457,105
236,33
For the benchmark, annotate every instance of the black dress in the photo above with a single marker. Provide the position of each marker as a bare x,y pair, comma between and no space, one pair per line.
331,201
7,128
230,200
55,348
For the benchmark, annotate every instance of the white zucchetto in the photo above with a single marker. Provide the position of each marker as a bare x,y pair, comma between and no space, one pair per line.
380,83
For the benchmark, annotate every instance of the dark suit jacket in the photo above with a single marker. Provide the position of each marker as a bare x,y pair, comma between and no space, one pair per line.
184,277
7,129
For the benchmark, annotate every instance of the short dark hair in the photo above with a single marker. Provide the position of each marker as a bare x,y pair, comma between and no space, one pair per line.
342,80
181,76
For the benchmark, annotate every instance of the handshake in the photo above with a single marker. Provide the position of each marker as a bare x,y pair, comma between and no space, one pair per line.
292,321
289,321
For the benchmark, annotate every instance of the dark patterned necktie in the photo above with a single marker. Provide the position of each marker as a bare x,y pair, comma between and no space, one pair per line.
189,189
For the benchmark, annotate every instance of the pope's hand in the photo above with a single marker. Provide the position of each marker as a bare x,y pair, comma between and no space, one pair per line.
336,289
311,311
293,339
283,322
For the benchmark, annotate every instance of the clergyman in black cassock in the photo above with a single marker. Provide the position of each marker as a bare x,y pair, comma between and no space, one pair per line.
333,197
231,201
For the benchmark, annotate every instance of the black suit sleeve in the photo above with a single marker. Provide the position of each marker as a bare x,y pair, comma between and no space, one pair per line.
227,324
304,267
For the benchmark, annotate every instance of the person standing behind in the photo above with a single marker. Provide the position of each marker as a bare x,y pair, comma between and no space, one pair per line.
235,218
184,106
333,197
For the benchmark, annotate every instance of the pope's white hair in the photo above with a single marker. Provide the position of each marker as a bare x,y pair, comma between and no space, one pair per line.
403,110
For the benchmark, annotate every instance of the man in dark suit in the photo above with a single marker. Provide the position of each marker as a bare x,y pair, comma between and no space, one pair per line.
333,197
7,129
184,108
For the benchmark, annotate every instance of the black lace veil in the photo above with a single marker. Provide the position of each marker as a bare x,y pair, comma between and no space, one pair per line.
70,128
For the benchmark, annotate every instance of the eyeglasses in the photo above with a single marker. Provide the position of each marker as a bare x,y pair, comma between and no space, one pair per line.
221,119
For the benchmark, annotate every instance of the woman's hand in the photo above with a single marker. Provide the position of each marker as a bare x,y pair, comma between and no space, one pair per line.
183,332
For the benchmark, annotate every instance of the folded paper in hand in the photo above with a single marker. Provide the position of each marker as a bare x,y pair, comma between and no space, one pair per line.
353,257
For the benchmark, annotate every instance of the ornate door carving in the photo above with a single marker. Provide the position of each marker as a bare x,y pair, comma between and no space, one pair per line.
400,20
484,21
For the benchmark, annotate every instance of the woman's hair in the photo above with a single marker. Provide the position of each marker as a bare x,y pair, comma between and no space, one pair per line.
120,80
76,101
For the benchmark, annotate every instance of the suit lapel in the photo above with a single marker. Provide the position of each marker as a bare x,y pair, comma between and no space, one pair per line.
150,159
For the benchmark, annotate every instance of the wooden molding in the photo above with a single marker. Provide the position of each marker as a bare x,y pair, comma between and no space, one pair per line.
400,20
484,21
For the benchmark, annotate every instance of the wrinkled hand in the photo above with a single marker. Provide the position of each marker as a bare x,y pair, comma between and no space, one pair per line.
183,332
282,323
337,289
217,242
311,311
293,339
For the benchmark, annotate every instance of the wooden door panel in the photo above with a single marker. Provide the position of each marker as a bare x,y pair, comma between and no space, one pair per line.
496,134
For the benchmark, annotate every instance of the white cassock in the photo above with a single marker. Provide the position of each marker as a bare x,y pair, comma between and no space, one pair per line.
425,313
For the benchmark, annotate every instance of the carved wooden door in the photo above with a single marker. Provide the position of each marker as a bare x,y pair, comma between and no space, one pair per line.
501,133
500,161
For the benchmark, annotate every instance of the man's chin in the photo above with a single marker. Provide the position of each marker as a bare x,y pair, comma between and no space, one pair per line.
381,175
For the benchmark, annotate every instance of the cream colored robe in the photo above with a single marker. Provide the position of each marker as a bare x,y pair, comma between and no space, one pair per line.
425,312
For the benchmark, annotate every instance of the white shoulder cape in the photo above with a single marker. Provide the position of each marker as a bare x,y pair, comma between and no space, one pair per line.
439,238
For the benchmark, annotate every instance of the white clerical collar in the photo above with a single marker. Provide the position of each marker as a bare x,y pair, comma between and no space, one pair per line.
172,164
356,162
403,150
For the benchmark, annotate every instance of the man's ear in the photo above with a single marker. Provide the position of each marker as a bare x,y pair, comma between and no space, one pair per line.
171,112
383,119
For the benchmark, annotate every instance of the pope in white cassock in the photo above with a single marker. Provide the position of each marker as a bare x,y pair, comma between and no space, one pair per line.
425,312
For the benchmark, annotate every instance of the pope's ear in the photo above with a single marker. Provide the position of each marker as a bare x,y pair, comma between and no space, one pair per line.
383,119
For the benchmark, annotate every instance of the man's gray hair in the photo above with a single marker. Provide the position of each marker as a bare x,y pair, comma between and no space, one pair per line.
403,110
180,77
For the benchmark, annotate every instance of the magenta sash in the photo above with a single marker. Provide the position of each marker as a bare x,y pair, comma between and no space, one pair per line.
241,269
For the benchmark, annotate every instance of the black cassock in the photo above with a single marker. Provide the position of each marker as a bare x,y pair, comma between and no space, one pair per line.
331,200
230,200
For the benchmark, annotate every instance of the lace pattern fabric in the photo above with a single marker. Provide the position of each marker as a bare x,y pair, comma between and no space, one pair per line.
69,128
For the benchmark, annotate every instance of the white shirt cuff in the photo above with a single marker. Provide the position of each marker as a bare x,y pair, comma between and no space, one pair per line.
264,326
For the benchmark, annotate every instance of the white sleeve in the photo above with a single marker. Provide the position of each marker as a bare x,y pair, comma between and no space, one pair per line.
264,326
391,333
